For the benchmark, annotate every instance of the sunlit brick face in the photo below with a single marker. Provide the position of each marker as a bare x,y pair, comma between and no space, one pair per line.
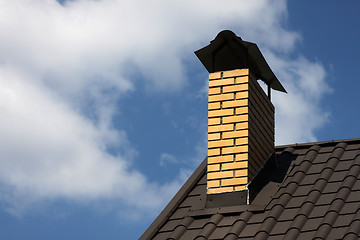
240,131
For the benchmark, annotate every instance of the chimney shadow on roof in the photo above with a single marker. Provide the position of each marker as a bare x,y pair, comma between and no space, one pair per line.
282,166
266,183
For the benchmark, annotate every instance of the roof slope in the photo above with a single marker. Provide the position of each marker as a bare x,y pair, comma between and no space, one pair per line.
314,193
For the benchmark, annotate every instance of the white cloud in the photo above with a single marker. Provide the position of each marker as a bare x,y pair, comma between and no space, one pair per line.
62,68
299,113
86,39
49,151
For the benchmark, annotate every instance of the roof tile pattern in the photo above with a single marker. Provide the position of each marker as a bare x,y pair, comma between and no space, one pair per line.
313,194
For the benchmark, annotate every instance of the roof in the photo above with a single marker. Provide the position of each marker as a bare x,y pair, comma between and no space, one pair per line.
313,193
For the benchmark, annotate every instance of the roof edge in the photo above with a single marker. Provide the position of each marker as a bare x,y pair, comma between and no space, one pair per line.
175,201
300,145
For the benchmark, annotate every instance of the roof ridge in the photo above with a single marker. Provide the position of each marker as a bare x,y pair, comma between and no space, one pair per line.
299,145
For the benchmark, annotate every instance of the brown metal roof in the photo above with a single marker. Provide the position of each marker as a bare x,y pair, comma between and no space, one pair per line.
314,193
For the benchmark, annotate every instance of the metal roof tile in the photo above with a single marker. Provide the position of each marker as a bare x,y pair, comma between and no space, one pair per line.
297,161
312,224
356,186
322,158
280,191
353,172
349,155
261,235
219,233
326,199
210,226
198,223
292,233
243,238
353,196
310,200
332,187
306,163
344,165
309,179
322,232
316,168
189,234
351,236
328,149
327,223
271,204
170,225
295,202
280,227
302,190
227,221
257,217
239,225
319,211
231,236
288,214
353,146
294,228
181,228
350,207
355,224
274,237
250,230
343,220
301,151
338,176
306,235
161,236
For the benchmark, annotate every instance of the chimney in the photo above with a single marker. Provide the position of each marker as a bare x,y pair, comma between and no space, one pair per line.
241,115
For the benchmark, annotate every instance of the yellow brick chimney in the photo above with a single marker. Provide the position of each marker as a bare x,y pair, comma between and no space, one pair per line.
240,116
241,130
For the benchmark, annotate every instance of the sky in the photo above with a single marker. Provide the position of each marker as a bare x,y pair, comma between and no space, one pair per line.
103,103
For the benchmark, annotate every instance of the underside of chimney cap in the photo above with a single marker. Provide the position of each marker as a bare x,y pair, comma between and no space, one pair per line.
228,52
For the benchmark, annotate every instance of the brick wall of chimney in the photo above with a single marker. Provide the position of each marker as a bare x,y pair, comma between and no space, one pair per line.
240,131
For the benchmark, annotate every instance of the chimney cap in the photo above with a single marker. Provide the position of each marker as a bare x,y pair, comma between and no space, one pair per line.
228,52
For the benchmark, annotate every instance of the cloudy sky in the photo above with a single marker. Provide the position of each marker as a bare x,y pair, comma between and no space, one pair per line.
103,104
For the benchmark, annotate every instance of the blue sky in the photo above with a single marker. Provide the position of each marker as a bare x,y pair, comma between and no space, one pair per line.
103,104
